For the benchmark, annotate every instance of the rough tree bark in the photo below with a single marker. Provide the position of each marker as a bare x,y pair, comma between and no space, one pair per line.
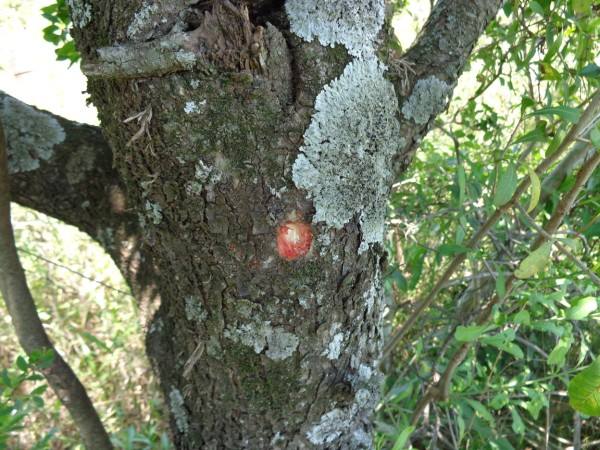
227,120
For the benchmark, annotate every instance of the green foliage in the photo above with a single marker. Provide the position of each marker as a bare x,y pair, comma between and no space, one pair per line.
531,77
21,390
535,262
58,31
584,390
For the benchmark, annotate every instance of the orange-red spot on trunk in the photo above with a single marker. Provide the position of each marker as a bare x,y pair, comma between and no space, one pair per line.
294,240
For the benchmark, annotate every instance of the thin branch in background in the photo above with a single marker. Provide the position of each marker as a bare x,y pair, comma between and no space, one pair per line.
440,390
74,272
561,248
588,116
30,331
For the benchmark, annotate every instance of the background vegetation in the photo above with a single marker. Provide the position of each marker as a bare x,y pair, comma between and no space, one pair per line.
533,74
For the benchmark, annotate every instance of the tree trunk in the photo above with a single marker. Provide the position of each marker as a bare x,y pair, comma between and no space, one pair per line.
229,127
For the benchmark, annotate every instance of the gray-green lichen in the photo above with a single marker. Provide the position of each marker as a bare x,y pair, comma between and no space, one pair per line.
334,347
335,423
280,343
194,311
345,162
179,411
31,135
81,161
140,27
330,427
81,12
192,107
154,212
353,23
428,98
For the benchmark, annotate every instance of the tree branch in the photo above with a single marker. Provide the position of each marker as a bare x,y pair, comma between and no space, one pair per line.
64,169
440,390
30,331
61,168
582,126
436,61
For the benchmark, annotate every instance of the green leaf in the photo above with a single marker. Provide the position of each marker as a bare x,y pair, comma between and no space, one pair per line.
501,285
567,113
22,364
39,390
517,423
582,6
506,186
471,332
452,249
536,189
584,390
590,71
461,179
536,7
500,400
39,401
522,318
403,438
539,134
535,262
582,308
481,410
508,347
558,354
548,72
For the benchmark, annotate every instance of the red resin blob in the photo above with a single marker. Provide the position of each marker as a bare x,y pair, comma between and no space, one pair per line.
294,240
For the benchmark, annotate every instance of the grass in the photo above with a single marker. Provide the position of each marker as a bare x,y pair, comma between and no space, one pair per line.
93,321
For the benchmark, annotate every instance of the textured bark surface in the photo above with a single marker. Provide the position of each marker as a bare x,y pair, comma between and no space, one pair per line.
252,351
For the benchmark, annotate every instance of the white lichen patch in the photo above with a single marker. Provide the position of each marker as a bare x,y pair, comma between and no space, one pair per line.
187,58
139,26
352,23
31,135
250,334
361,439
206,173
280,343
154,212
345,162
372,296
192,107
81,12
194,310
179,411
334,349
428,98
330,427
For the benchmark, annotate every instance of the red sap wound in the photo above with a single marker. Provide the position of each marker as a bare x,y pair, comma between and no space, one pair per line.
294,240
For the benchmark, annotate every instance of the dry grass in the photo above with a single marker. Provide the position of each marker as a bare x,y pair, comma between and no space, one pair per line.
85,307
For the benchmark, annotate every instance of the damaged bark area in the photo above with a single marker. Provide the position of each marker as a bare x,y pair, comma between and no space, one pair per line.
252,350
224,40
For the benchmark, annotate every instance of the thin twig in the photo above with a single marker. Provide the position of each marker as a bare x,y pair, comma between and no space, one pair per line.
440,390
589,116
74,272
584,268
